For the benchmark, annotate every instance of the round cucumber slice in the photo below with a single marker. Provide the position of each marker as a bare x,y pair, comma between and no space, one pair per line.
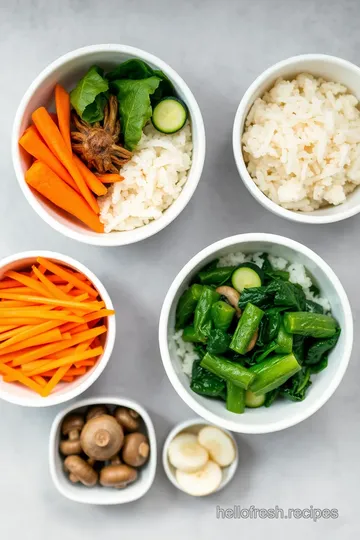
252,401
169,115
246,277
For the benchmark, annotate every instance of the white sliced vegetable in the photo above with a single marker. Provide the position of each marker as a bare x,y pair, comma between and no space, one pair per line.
218,444
186,454
202,482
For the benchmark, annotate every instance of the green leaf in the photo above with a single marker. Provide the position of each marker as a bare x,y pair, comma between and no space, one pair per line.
218,342
288,294
205,383
318,349
295,388
95,111
135,106
87,90
131,69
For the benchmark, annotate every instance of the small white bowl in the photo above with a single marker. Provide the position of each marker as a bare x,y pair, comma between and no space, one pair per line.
20,395
319,65
282,414
66,70
99,494
194,426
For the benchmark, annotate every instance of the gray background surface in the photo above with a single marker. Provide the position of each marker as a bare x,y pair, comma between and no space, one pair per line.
218,47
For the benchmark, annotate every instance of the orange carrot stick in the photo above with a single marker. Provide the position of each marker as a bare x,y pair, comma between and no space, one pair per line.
90,178
62,103
83,306
67,276
28,282
26,368
39,380
50,315
54,381
46,337
72,372
9,284
110,178
28,332
26,321
52,136
86,363
45,181
68,360
19,376
54,291
34,145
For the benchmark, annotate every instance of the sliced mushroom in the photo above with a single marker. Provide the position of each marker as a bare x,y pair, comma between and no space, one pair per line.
127,418
96,410
71,427
102,437
117,476
136,449
253,341
232,297
80,471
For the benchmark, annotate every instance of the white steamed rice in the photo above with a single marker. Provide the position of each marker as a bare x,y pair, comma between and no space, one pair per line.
302,143
186,351
153,180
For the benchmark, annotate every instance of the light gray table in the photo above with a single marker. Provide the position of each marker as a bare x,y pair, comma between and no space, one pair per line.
219,47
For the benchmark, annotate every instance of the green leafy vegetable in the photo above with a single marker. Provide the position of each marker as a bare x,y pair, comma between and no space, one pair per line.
262,297
296,387
218,341
187,304
131,69
288,294
205,383
271,396
88,97
216,276
317,350
313,307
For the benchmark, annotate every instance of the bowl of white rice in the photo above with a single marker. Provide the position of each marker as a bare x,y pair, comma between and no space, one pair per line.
158,181
296,139
305,268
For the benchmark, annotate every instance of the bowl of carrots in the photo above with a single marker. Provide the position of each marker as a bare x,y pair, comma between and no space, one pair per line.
57,328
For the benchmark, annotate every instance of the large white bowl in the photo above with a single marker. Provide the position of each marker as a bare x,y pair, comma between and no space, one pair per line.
20,395
320,65
282,414
98,494
66,70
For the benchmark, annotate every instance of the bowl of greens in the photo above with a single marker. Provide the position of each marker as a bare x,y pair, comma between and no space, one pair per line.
256,333
108,145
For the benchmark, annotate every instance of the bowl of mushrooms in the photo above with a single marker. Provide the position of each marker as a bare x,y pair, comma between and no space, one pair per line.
103,451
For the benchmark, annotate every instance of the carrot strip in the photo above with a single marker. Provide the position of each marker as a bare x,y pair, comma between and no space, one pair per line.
39,380
46,337
35,146
68,360
9,284
86,363
27,321
67,379
98,314
110,178
45,181
18,290
30,331
72,372
90,178
32,365
90,306
67,276
51,315
54,381
52,136
46,350
28,282
62,104
19,376
49,286
15,303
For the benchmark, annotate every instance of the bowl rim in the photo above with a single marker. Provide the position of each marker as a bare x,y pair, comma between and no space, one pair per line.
182,426
111,333
111,400
268,74
201,410
141,233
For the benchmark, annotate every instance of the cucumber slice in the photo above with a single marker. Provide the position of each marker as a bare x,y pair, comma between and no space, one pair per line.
246,276
252,401
169,115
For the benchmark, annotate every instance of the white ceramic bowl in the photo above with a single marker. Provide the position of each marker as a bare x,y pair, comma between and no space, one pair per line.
328,67
20,395
99,494
194,426
66,70
282,414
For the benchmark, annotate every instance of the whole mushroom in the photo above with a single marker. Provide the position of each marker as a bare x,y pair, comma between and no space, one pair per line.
136,449
102,437
80,471
71,426
96,410
127,418
117,476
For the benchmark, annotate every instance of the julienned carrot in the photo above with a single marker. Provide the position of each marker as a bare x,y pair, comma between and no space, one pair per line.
86,363
44,314
70,304
28,332
9,284
62,104
110,178
90,178
47,183
35,146
54,291
67,361
28,282
46,337
26,321
47,350
72,372
19,376
67,379
54,381
39,380
53,138
67,276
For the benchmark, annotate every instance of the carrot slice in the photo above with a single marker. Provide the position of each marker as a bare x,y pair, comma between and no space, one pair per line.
35,146
54,381
19,376
90,178
52,136
67,276
62,103
68,360
110,178
45,181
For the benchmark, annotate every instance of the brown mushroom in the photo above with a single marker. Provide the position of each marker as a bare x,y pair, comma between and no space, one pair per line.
80,471
127,418
117,476
136,449
102,437
71,427
96,410
253,341
232,297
